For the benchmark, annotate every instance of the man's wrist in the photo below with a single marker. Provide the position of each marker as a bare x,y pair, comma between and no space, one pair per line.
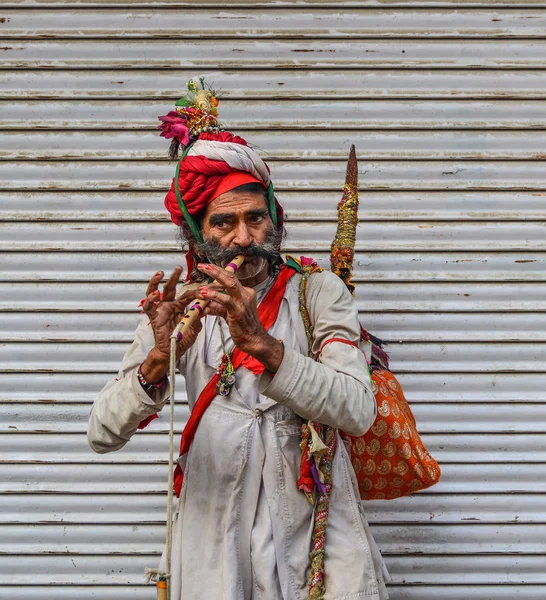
269,351
155,366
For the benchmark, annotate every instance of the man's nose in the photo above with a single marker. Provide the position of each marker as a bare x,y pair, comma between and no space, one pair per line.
242,236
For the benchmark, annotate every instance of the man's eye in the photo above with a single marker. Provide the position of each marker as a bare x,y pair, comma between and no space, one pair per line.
257,219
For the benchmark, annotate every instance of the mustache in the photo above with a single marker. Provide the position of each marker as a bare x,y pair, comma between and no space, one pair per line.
215,253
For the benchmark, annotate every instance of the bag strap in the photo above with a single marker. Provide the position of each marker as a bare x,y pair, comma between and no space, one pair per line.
304,311
306,266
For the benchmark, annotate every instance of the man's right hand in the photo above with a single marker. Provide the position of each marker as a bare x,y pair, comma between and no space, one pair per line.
165,313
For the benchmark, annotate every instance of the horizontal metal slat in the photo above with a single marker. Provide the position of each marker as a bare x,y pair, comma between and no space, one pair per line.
380,175
433,387
407,569
391,327
126,477
309,54
436,327
302,236
431,418
392,539
148,447
466,592
413,570
399,267
333,113
105,591
64,205
455,357
147,508
110,591
388,298
73,570
275,85
272,23
477,570
460,539
284,145
93,478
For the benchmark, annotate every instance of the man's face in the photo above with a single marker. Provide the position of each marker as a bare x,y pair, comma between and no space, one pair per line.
239,223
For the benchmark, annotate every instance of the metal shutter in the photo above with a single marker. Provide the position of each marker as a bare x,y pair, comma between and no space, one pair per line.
445,101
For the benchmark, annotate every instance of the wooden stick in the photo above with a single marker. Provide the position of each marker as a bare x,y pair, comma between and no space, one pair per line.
198,306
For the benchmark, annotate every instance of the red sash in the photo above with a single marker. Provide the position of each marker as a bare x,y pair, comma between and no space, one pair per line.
267,313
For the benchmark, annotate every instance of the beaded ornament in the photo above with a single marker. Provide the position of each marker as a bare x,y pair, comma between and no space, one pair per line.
195,113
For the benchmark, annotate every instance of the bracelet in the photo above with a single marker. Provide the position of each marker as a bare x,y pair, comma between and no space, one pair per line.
146,385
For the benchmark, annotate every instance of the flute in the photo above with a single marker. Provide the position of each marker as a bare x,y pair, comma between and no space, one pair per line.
195,310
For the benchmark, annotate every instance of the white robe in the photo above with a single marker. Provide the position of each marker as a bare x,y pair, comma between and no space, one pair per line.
242,529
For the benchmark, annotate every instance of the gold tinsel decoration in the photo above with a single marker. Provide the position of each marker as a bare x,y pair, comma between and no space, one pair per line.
343,246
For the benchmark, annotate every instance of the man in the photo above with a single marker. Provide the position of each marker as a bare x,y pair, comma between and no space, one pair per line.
242,528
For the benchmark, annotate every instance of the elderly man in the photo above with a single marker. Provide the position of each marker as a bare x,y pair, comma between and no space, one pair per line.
242,528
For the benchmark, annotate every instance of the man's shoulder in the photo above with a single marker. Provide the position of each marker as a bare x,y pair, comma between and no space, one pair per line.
326,282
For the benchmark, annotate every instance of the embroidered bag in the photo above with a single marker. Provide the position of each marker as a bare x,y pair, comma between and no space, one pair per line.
390,459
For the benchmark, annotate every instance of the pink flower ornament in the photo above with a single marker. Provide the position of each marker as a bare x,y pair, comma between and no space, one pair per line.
174,126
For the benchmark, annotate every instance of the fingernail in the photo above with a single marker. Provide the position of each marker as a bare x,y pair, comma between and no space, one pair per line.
205,266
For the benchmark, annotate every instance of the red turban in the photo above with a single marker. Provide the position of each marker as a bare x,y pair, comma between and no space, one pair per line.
200,177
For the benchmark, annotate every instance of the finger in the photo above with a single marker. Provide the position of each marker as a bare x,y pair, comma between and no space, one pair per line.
151,303
169,290
215,310
226,279
214,296
154,283
186,298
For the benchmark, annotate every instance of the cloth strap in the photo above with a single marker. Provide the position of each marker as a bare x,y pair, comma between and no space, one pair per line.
268,312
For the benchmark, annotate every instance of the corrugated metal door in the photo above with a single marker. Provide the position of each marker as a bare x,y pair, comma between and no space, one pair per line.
445,101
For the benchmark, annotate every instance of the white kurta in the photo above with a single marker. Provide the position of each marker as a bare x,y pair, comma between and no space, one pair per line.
242,529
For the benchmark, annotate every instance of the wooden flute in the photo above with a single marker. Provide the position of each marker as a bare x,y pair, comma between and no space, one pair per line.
195,310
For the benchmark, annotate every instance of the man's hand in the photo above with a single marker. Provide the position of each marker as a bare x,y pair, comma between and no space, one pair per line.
239,308
165,314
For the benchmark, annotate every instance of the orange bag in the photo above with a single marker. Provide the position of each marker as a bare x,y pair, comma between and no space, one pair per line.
390,459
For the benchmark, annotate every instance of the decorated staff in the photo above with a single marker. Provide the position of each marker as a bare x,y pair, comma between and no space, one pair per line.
343,247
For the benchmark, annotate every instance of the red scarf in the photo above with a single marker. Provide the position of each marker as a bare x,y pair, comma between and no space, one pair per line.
268,312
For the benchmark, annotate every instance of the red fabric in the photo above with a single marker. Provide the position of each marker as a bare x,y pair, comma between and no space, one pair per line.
340,340
234,180
305,482
267,312
147,421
